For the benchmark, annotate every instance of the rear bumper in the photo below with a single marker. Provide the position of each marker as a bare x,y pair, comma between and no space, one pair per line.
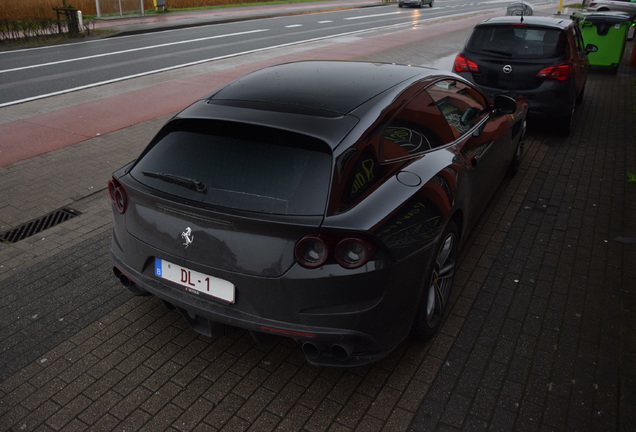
347,319
551,99
552,102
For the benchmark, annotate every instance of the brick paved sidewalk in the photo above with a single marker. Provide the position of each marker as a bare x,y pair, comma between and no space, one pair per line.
547,340
540,336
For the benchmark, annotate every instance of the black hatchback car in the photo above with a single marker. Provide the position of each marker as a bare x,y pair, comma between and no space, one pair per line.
542,58
321,201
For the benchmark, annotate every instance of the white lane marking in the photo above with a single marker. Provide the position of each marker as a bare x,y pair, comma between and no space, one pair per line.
325,22
128,51
124,78
293,25
372,16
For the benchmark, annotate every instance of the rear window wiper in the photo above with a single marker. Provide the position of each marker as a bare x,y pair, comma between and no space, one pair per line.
189,183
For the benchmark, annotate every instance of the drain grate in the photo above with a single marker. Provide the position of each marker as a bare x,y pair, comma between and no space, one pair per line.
38,225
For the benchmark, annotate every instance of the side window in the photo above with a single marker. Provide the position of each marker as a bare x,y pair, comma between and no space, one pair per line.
578,38
461,105
365,173
416,128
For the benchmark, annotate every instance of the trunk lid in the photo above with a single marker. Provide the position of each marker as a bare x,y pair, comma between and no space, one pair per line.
201,239
228,196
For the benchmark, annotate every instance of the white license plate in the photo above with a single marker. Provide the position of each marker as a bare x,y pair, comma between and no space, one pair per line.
193,281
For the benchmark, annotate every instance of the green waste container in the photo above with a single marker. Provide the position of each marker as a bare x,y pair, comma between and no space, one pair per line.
606,30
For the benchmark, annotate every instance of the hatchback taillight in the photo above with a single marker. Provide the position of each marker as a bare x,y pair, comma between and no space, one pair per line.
348,251
464,64
559,72
117,195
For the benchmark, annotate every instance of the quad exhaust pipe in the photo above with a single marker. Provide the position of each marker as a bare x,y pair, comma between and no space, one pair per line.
340,352
123,279
129,283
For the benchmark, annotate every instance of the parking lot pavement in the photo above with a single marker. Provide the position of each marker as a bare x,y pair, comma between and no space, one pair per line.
540,336
546,336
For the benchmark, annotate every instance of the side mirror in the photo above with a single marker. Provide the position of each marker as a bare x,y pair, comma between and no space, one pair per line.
505,104
590,48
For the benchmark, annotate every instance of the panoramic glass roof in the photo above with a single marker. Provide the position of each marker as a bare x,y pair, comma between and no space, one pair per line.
332,86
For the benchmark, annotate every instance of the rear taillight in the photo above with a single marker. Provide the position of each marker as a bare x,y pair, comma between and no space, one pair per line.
117,195
559,72
348,251
312,251
464,64
353,252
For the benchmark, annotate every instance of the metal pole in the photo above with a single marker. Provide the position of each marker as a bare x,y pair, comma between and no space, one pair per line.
121,13
99,12
80,21
141,5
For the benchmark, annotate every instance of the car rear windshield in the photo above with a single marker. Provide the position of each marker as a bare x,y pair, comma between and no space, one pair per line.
518,41
239,166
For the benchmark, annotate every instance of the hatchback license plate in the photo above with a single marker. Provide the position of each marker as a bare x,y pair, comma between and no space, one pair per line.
194,281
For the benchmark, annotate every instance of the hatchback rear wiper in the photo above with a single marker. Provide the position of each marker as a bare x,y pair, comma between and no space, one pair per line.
190,183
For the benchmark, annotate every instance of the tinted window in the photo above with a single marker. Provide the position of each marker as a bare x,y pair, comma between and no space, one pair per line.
240,167
364,172
461,105
416,128
518,41
578,39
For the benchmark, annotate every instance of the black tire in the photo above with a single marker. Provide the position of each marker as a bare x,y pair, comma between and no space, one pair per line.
513,168
438,282
579,97
564,124
431,4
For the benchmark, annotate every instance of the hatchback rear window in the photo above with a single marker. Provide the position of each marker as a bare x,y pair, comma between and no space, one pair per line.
518,41
240,167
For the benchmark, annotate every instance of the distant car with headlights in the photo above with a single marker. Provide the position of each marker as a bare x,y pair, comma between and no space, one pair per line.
543,59
320,201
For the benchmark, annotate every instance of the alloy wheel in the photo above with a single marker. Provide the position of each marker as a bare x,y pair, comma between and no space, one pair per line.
441,280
